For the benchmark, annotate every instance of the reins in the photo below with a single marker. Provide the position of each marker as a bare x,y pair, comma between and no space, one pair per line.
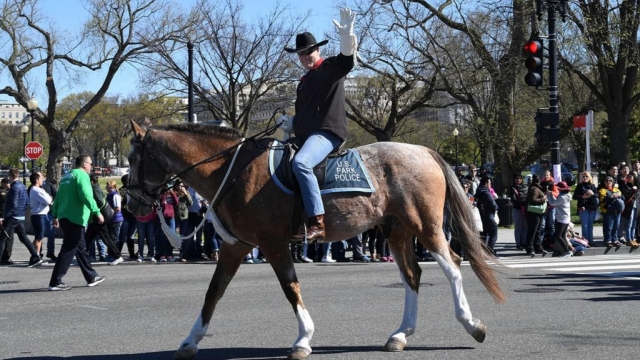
227,236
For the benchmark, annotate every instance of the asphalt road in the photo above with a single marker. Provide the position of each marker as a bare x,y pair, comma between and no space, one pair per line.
144,311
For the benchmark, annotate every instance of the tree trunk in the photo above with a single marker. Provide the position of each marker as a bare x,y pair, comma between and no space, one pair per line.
618,134
57,140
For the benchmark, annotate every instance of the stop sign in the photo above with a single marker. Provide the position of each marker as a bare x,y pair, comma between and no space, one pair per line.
33,150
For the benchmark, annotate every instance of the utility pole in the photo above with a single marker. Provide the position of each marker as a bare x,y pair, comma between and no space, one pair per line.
551,116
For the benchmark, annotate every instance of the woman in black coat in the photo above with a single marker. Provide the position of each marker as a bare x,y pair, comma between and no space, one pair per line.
587,196
488,208
535,196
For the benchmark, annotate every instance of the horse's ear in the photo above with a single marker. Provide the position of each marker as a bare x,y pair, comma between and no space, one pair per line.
138,131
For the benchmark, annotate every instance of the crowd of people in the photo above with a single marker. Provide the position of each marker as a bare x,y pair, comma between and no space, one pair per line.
541,213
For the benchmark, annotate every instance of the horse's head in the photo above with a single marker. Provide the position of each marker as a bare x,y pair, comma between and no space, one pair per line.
147,176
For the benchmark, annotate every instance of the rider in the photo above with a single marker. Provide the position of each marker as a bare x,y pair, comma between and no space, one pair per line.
321,121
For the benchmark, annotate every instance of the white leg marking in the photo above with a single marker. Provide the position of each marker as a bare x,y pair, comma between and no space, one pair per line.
197,333
463,312
305,329
410,315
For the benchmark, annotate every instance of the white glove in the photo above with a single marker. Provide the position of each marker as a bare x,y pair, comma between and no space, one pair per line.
286,123
348,40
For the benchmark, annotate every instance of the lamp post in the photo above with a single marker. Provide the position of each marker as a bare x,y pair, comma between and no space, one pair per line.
32,106
455,135
24,129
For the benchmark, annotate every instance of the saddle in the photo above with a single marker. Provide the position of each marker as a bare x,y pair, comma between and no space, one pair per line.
341,171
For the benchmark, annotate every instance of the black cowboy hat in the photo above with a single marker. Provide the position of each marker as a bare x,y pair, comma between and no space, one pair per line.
305,41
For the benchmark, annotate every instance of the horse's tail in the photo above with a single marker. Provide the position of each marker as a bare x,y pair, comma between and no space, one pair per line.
463,227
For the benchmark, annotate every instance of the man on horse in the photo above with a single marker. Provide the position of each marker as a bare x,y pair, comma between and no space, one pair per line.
320,119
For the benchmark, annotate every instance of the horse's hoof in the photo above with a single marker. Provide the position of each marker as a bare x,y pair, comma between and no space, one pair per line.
299,354
394,345
185,353
480,333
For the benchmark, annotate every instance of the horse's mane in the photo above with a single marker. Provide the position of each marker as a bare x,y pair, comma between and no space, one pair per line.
204,129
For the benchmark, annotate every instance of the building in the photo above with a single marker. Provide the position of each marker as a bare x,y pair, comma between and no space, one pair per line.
12,113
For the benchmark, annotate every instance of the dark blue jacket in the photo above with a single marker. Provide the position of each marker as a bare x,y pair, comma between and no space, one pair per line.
485,202
17,201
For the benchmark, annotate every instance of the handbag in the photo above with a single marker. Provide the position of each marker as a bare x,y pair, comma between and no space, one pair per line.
107,212
496,218
537,209
477,219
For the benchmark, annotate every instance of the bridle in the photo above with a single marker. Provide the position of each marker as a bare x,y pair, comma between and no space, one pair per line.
155,192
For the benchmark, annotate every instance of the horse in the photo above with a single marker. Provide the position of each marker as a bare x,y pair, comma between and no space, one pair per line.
412,184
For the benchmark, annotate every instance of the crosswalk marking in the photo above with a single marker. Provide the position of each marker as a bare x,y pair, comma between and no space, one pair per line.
614,265
574,263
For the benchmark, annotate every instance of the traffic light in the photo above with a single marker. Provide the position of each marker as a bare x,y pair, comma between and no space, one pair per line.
535,61
547,127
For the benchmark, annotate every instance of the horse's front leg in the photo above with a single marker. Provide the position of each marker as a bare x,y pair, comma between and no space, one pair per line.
280,259
230,259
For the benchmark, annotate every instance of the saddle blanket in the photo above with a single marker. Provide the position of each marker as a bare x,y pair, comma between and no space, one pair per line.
342,173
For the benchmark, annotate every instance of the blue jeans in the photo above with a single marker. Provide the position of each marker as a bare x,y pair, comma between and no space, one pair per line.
51,235
314,150
627,226
547,224
164,247
146,230
587,218
610,225
519,227
127,229
115,230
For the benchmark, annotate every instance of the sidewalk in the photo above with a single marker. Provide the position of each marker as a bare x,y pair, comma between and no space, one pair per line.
505,247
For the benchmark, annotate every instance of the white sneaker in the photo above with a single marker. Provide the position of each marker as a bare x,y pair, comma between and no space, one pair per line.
306,260
328,259
567,254
153,259
140,259
117,261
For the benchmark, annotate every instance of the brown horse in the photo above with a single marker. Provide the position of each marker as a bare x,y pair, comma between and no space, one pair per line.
412,184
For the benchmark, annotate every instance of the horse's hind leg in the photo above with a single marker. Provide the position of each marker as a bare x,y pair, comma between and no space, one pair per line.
402,249
230,260
463,312
280,259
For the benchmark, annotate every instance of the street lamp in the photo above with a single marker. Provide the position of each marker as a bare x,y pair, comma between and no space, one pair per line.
24,129
455,135
32,106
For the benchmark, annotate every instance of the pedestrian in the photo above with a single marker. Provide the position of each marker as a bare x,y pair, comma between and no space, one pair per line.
39,202
588,201
4,189
320,122
71,210
14,215
518,196
128,227
560,198
51,187
102,230
536,204
611,206
488,208
182,222
169,203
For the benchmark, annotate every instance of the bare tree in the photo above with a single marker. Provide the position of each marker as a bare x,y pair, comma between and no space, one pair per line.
494,38
118,32
608,33
394,81
239,64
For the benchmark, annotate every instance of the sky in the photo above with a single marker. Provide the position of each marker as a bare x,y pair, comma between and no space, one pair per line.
69,14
